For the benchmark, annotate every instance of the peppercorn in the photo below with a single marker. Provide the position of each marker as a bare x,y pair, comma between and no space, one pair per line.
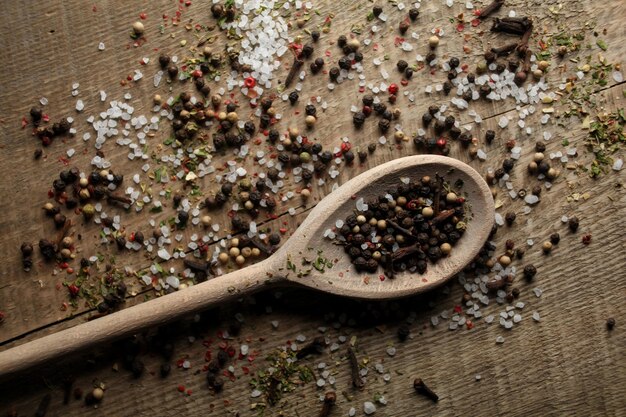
358,119
529,272
573,223
454,62
546,247
439,127
293,97
555,238
172,70
333,73
509,218
348,156
383,125
508,165
413,14
183,217
401,65
403,26
610,323
377,10
426,119
315,35
447,87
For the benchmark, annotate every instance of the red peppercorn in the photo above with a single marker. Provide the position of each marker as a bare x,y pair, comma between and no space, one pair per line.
73,289
249,82
393,88
367,110
442,142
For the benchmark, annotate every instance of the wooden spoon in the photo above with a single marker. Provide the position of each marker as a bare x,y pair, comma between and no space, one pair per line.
307,240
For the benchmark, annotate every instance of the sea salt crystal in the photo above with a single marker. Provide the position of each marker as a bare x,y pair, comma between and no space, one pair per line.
80,105
369,407
517,318
618,164
255,393
172,281
536,316
164,254
499,339
618,77
391,351
101,46
537,292
531,199
503,122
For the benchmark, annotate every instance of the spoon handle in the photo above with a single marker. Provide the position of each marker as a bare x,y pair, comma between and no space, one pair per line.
130,320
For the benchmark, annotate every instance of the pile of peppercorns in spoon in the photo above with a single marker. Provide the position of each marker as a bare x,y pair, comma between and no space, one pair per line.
406,227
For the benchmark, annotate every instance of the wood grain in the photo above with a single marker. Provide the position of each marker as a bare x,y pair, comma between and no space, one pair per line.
568,364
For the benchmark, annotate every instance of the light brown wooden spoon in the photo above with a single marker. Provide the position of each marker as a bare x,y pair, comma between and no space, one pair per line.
341,279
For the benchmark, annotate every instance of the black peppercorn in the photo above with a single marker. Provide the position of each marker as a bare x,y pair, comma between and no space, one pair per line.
401,65
348,156
183,217
217,10
58,185
265,120
555,238
326,157
315,35
484,90
508,165
172,70
426,119
377,10
430,58
449,122
509,218
465,138
529,272
121,242
500,68
490,135
362,155
403,26
307,50
293,97
333,73
358,119
383,125
453,62
408,73
342,41
573,224
368,100
371,147
447,87
36,114
540,147
273,239
439,127
379,108
471,77
413,14
610,323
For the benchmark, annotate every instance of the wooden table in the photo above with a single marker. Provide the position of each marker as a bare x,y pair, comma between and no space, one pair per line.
566,364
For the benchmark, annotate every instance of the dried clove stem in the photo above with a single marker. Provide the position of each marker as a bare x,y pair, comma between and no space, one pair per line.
63,232
357,381
199,266
265,249
511,27
505,50
297,64
442,216
315,347
119,199
329,400
401,229
522,46
437,195
389,266
492,8
421,388
406,251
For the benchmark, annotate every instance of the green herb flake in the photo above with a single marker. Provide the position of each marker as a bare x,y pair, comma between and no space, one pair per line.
601,44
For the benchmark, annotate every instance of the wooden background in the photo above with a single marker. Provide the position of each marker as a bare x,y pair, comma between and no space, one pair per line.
568,364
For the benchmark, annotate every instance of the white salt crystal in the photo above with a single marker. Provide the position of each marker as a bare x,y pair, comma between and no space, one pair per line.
536,316
618,164
618,77
80,105
499,339
531,199
172,281
369,407
503,122
101,46
164,254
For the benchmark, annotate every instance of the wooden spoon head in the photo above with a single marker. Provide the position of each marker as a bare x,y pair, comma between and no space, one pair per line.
342,278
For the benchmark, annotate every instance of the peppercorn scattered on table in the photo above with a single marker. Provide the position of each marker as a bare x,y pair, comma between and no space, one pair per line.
148,147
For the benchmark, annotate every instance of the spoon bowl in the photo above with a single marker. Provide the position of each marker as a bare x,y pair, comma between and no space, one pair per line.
308,242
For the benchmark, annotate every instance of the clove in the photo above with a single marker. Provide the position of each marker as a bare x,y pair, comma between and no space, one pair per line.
404,231
506,49
267,250
119,199
329,400
406,251
522,46
422,389
297,64
315,347
512,27
357,381
492,8
442,216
